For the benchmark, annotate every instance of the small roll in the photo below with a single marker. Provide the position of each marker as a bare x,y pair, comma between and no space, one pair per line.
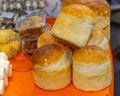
91,69
51,67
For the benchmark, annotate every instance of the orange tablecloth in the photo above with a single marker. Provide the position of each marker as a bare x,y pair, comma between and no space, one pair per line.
22,84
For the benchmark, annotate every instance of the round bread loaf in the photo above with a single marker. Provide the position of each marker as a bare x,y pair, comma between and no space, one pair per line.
51,67
47,38
102,19
96,5
91,69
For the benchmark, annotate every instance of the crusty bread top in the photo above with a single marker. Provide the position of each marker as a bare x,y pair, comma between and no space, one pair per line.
100,7
96,33
90,55
47,55
79,11
46,38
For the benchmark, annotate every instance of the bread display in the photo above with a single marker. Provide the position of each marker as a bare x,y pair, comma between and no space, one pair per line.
75,49
84,26
91,69
51,68
74,25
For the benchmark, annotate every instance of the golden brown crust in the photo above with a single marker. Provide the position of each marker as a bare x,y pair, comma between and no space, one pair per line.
95,82
96,32
47,55
79,11
46,38
52,80
100,7
90,55
74,25
98,38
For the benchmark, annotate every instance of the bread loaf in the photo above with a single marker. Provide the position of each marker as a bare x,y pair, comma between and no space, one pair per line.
96,5
91,69
102,10
74,25
51,67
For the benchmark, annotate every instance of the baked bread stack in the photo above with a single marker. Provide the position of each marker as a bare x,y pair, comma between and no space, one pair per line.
91,69
101,20
80,25
51,67
9,42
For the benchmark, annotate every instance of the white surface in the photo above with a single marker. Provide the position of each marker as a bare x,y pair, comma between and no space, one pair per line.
1,86
6,65
3,56
2,73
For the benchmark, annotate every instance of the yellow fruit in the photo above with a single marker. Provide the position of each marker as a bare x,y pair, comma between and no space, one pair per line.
12,35
8,49
9,31
16,45
4,38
